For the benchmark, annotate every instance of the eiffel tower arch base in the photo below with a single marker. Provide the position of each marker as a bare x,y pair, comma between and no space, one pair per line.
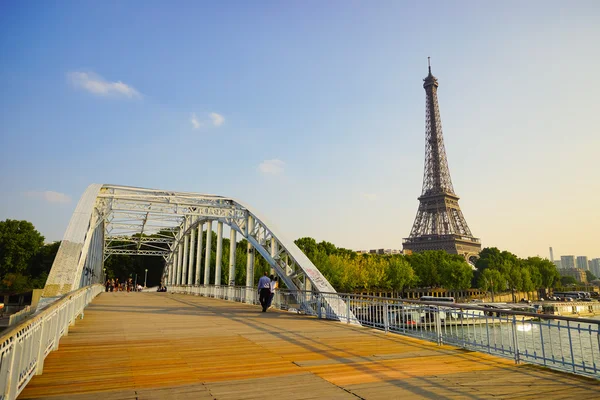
467,247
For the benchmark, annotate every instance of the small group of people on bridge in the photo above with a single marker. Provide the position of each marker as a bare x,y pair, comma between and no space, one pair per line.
267,285
113,285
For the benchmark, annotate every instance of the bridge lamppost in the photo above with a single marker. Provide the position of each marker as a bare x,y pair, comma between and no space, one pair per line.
145,276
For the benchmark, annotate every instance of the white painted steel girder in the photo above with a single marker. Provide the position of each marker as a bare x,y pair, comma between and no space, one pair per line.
107,216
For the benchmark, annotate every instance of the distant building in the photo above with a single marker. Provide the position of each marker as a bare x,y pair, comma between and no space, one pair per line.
582,262
577,273
567,262
380,251
558,264
595,266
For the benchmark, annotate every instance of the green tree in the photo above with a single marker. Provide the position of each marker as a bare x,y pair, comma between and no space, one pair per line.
19,242
543,272
41,263
308,246
590,276
15,282
491,279
456,274
568,280
327,248
489,257
400,274
526,281
425,265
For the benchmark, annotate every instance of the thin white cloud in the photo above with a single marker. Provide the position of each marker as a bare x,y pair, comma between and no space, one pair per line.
194,120
271,167
97,85
217,119
369,196
50,196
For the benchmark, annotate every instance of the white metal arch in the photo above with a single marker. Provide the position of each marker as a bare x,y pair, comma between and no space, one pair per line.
109,214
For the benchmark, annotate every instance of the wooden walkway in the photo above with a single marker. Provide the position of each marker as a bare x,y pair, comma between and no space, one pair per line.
160,345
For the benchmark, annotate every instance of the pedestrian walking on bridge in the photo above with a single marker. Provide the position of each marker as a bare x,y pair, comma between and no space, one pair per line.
264,291
274,284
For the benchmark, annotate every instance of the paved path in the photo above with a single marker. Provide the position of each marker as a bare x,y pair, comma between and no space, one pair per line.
160,345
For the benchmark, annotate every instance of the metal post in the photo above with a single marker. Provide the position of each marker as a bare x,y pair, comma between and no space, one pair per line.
319,305
273,250
438,325
249,257
184,266
179,263
199,252
232,246
190,275
145,277
219,253
386,319
515,339
348,309
571,345
176,266
207,254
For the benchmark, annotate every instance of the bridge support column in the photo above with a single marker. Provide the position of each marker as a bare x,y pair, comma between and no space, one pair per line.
199,253
179,263
190,274
184,265
273,250
174,266
169,267
232,246
207,254
219,253
250,293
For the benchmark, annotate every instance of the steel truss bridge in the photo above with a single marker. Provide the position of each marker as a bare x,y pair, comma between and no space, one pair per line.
111,219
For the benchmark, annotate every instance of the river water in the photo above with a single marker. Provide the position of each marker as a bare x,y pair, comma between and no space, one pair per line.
567,345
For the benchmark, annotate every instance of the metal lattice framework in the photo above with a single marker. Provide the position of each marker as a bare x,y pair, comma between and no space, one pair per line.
112,219
439,224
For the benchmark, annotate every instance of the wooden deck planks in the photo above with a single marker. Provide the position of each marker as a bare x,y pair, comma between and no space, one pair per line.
160,345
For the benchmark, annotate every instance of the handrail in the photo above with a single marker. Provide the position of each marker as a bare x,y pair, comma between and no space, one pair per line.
472,306
24,347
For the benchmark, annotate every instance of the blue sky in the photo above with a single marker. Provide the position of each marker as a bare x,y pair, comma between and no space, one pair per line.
312,112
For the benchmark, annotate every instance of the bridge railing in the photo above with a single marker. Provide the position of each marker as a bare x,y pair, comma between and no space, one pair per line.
564,343
24,347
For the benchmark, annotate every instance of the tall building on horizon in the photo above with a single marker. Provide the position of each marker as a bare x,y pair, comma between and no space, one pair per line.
595,267
567,262
551,254
439,224
582,262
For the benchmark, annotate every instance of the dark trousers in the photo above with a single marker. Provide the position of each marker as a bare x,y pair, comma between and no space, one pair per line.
265,293
270,299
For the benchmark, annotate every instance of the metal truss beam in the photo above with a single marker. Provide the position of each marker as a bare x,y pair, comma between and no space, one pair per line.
134,252
124,214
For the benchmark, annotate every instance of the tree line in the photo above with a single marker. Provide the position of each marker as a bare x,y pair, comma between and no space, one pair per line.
495,270
25,262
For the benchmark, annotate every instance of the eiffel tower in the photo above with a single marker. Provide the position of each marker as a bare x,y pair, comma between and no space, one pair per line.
439,224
